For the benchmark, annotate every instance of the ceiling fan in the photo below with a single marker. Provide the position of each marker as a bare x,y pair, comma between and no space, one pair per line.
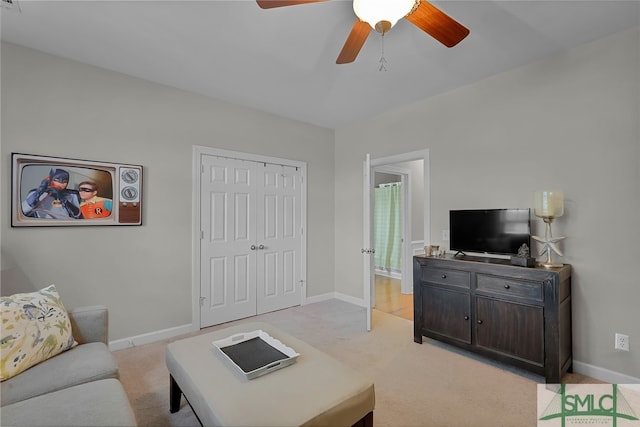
381,15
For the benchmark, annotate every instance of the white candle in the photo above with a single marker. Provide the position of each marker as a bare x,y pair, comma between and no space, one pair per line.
549,203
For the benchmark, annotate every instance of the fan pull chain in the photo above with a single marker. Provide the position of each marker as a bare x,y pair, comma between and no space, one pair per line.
382,59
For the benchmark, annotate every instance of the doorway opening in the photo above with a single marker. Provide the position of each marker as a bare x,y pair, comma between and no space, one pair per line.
392,288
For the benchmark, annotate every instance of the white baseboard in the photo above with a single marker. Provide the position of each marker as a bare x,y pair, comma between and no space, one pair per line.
603,374
336,295
319,298
347,298
150,337
394,274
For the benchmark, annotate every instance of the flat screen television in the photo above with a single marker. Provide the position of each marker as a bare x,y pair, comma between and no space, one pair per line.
492,231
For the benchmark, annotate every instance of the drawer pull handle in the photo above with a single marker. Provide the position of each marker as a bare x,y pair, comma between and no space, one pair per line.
444,276
479,322
466,317
506,286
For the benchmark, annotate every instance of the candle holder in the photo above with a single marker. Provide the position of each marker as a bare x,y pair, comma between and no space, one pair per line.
548,206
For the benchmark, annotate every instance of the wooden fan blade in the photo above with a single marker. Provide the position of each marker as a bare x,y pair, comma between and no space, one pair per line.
354,43
269,4
436,23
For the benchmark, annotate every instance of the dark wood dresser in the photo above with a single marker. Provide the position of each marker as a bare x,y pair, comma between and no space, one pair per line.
516,315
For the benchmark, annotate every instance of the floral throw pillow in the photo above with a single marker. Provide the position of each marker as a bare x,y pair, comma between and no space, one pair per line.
35,327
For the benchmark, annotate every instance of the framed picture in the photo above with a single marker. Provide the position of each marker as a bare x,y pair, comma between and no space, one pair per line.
55,191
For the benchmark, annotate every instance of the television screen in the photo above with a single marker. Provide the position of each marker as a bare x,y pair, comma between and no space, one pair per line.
494,231
48,191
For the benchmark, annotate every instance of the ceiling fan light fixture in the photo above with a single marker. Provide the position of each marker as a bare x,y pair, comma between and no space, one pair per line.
381,15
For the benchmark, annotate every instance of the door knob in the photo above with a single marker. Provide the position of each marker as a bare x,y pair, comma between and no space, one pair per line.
253,247
261,247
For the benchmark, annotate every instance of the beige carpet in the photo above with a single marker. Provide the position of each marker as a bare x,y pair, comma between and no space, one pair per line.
416,385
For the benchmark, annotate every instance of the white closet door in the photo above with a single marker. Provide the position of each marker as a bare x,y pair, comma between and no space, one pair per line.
278,237
228,262
251,221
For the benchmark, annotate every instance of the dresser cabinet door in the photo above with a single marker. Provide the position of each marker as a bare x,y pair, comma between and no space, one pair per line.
511,328
446,313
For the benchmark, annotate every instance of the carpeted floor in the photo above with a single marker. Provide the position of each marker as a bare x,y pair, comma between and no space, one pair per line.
416,385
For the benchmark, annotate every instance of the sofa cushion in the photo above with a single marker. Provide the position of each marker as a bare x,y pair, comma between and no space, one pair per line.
90,324
35,327
81,364
98,403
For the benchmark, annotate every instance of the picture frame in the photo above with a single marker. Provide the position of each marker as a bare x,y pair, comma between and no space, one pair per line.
58,191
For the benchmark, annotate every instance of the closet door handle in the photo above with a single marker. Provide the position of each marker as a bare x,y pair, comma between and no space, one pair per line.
261,247
253,247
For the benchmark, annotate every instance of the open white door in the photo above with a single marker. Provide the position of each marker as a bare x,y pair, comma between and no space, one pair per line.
367,234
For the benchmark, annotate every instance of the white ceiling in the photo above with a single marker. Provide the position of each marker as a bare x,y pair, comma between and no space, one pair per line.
283,60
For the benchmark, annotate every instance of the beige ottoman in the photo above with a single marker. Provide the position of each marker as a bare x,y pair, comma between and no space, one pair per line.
316,390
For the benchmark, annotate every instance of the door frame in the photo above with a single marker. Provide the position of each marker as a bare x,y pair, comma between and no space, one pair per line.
405,262
196,232
387,161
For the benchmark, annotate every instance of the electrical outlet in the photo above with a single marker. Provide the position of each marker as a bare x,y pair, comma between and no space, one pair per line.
445,235
622,342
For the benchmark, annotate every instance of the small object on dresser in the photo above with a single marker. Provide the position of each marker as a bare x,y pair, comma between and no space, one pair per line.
523,259
432,250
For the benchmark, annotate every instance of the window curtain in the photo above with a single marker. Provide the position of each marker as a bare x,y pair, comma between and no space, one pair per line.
388,226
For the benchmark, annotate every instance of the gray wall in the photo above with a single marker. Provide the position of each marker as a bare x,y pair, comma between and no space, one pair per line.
417,198
52,106
384,178
570,121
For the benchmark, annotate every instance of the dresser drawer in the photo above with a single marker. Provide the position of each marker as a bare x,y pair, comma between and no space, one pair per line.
447,277
509,286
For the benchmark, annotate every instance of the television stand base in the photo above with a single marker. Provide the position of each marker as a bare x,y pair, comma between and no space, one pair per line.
514,315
